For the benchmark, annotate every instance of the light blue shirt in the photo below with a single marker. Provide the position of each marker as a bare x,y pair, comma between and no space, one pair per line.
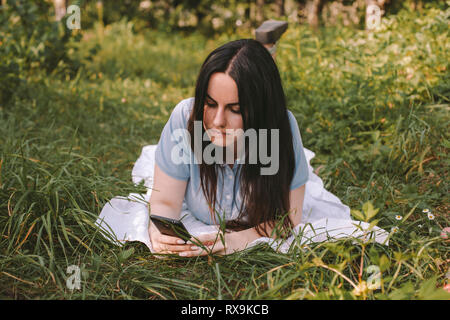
228,186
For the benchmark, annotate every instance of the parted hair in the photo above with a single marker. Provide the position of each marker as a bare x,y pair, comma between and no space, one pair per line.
265,198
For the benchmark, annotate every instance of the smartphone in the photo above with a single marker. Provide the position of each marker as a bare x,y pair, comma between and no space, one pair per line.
170,227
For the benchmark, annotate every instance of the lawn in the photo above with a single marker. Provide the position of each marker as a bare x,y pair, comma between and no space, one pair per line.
373,106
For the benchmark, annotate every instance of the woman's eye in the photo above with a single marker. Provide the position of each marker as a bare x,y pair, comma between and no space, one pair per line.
213,105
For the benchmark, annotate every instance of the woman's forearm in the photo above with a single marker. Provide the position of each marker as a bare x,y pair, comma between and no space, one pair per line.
162,209
247,236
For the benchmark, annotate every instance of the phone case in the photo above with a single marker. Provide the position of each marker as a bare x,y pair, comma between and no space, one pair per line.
170,227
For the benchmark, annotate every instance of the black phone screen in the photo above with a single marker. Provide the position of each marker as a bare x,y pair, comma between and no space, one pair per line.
170,227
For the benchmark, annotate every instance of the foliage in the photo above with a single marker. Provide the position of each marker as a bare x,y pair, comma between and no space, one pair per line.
212,17
372,106
206,16
31,43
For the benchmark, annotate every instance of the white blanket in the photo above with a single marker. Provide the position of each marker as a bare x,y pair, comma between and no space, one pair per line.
324,218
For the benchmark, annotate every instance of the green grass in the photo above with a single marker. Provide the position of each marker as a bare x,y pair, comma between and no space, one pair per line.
373,107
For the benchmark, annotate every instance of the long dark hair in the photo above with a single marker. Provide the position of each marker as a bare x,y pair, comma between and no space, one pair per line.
265,198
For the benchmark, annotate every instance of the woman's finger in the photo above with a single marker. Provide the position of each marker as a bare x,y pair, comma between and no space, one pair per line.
175,248
170,240
206,238
215,248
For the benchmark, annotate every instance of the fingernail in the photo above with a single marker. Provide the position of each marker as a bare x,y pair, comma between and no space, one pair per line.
181,241
183,254
194,248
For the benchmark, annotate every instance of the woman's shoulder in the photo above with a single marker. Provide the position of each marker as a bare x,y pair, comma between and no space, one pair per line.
291,116
183,108
293,122
180,114
295,130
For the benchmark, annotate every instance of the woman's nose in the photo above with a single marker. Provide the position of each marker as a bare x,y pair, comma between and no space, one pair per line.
219,117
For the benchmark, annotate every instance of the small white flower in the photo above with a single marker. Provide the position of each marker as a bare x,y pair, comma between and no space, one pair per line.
394,229
431,216
420,226
426,210
398,217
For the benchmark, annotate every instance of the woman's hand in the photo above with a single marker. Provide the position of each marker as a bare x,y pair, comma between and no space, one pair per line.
166,244
219,243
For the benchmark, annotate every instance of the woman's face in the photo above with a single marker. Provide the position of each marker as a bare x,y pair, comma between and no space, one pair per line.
221,115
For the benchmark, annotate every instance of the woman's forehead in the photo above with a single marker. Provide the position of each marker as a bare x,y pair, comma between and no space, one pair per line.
222,88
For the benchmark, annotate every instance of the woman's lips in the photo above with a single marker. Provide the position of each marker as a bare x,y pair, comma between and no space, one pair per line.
215,131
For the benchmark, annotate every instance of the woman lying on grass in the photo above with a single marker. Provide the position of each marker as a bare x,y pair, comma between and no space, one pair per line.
221,175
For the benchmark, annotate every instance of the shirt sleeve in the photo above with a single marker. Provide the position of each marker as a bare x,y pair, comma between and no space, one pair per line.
301,166
172,153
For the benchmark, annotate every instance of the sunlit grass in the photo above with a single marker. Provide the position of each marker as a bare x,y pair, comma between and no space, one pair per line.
374,108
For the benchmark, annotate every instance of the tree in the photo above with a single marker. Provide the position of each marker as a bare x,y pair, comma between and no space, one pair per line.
374,10
259,11
279,8
60,9
313,9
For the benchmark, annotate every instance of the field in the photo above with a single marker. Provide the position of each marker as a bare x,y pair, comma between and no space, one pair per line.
373,106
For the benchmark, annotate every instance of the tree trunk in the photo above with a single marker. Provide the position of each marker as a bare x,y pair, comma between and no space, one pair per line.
247,14
379,3
313,10
259,11
60,9
279,8
416,5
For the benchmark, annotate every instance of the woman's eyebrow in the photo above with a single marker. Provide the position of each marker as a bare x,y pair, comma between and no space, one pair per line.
229,104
